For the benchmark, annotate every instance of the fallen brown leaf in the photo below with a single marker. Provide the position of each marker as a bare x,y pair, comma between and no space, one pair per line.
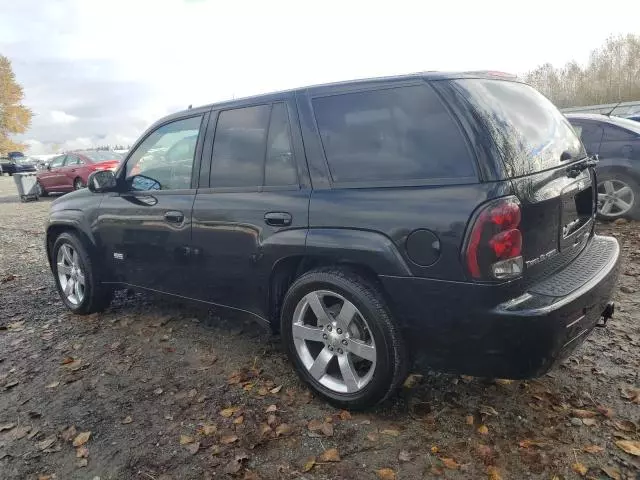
612,472
271,419
373,437
483,430
127,420
283,429
345,415
405,456
238,420
392,432
69,433
81,439
233,467
590,422
530,443
276,389
493,473
450,463
605,411
503,381
625,425
186,439
309,464
631,394
53,385
262,391
227,439
228,412
67,360
488,410
7,426
46,443
193,448
271,408
580,413
593,449
82,452
327,429
330,455
249,475
208,429
485,452
469,419
386,474
264,429
632,447
20,432
579,469
314,425
412,380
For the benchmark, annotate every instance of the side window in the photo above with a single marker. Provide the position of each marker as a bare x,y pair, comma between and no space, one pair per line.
614,134
239,147
280,168
590,134
57,162
71,160
392,134
164,160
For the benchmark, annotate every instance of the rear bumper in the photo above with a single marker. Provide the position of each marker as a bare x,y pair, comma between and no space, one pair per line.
472,329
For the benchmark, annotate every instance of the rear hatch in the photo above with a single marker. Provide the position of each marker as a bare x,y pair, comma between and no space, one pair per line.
542,157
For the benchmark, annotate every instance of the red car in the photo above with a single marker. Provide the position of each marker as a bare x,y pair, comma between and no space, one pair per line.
71,171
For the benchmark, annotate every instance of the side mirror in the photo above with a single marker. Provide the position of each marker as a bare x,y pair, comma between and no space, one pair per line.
101,181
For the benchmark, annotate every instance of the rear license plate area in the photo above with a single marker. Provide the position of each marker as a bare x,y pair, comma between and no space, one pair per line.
576,216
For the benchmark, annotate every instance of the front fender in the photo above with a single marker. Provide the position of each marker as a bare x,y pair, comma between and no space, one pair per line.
66,220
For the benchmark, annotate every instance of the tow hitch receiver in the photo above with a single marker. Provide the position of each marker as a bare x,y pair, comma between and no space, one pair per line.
607,313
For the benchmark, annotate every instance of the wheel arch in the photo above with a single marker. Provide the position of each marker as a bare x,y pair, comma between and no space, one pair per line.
56,228
368,253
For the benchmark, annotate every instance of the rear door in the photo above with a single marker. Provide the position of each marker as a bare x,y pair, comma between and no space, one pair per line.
539,153
69,170
252,207
145,229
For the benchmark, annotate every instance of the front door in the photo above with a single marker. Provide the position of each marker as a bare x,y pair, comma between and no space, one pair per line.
145,228
51,178
252,208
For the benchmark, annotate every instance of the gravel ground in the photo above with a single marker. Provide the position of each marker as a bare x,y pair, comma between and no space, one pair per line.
170,391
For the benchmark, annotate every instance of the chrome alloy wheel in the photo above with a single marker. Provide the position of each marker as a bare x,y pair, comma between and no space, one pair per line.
333,341
615,198
70,274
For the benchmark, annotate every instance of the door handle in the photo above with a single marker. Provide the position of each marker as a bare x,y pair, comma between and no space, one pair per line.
277,219
174,216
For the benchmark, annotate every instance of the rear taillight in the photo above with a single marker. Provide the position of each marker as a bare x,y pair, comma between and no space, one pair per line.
494,245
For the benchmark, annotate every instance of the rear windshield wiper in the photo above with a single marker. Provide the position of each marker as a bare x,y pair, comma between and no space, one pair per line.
587,162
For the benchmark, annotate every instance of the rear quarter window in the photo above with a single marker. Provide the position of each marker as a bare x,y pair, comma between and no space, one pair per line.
529,132
392,134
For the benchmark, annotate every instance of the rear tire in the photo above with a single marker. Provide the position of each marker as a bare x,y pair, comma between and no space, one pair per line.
615,191
355,366
77,276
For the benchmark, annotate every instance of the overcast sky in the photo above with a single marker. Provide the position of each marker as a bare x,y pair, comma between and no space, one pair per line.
100,71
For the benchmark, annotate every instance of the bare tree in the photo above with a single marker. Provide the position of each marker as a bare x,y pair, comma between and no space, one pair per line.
612,74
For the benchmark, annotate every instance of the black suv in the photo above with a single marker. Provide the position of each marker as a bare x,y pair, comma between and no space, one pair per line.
439,219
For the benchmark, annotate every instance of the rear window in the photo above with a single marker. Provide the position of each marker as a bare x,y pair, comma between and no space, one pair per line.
389,135
528,130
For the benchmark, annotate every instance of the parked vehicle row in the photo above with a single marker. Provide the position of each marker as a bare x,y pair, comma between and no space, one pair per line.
616,143
16,162
71,171
352,218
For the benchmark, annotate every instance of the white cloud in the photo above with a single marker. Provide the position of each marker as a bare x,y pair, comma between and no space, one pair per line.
115,72
58,116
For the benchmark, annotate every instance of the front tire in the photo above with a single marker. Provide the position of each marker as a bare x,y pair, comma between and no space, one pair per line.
77,278
341,338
